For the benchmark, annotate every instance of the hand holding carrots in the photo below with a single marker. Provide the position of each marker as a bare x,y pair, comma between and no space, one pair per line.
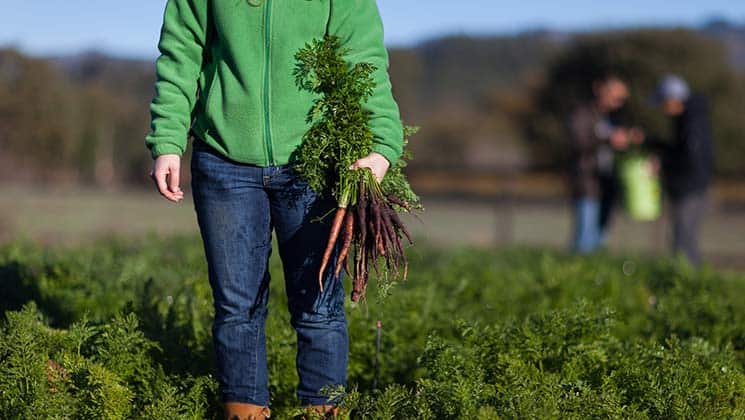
620,139
377,163
368,228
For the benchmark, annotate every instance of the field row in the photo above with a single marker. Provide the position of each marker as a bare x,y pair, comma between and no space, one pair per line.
121,329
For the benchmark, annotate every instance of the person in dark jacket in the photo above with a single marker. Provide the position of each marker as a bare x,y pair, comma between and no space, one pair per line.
594,138
687,161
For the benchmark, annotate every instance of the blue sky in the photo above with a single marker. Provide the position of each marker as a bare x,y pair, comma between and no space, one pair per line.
130,27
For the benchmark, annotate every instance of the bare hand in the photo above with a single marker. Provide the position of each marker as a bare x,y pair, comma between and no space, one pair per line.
377,163
166,173
653,166
619,139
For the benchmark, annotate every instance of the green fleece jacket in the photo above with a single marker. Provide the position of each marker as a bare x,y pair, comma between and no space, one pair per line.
226,72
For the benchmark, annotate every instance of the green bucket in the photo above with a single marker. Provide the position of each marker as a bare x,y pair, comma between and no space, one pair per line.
642,192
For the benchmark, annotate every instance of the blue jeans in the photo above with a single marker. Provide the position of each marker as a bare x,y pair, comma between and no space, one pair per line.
237,207
589,234
688,213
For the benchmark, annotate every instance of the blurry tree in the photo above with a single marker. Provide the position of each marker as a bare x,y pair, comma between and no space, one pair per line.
38,121
455,88
117,92
641,57
78,119
83,118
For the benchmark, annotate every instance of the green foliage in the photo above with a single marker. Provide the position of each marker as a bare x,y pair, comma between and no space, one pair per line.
102,372
476,334
102,395
395,181
340,131
23,361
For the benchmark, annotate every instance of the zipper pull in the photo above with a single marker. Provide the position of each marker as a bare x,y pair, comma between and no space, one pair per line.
254,3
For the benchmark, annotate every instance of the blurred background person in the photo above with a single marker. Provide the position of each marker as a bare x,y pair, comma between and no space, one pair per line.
687,161
594,138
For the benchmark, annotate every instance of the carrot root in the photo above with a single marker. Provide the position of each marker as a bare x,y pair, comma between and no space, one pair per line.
333,236
347,244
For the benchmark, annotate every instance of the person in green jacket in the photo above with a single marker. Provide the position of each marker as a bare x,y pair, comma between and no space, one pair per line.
225,77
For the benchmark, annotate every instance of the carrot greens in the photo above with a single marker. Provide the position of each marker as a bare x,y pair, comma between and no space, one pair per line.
366,227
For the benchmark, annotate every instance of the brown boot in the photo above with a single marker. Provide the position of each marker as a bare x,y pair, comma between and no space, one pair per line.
322,412
241,411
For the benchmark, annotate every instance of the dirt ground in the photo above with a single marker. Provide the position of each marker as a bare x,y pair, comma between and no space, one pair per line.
77,215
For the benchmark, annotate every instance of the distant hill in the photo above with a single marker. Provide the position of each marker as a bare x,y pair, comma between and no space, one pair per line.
465,71
131,77
457,69
451,72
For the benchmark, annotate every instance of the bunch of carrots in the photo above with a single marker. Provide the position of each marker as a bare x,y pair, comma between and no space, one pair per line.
366,230
372,230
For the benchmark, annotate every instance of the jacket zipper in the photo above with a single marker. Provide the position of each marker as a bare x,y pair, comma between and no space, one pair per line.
267,66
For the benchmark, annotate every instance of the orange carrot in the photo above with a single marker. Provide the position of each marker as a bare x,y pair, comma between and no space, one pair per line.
333,235
347,244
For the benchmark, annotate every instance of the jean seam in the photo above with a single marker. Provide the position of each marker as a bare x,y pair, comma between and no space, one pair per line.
255,386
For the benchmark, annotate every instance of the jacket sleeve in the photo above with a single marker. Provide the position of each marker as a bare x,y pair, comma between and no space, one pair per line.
359,27
182,44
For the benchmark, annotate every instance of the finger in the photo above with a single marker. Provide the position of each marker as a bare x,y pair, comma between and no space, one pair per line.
173,180
377,172
358,164
160,178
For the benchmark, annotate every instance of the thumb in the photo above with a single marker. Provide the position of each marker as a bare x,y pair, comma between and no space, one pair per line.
358,164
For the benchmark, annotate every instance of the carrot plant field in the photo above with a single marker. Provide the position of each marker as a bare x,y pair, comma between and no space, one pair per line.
120,329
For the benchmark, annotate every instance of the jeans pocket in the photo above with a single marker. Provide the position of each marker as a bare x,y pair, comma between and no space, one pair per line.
199,145
207,165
